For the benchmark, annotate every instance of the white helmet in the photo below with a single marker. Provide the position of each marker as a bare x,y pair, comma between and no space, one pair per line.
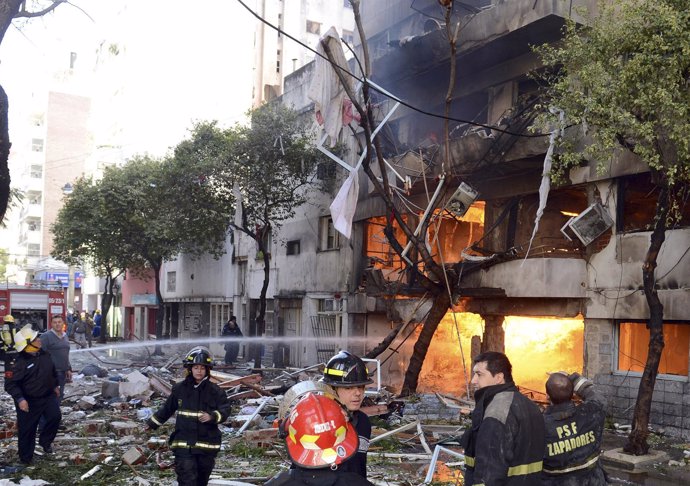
24,336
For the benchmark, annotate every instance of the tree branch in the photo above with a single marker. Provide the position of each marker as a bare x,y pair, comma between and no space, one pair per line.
24,13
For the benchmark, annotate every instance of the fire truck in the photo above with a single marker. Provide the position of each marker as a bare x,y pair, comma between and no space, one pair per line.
33,306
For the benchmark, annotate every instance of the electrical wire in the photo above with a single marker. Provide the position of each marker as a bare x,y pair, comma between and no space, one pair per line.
392,97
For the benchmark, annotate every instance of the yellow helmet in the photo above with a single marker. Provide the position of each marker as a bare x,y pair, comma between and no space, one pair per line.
8,318
24,336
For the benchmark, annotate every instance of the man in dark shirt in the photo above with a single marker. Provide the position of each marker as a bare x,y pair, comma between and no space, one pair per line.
33,385
505,445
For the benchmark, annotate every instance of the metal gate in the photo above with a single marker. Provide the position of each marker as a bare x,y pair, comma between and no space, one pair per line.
324,328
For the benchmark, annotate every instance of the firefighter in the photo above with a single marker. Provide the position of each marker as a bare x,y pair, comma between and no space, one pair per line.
33,385
505,444
7,352
347,375
573,432
320,442
200,406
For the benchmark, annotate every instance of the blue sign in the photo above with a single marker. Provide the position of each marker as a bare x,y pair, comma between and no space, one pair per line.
62,278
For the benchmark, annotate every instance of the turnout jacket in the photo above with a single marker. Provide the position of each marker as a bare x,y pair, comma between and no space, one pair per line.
358,462
505,444
33,376
317,477
573,439
190,400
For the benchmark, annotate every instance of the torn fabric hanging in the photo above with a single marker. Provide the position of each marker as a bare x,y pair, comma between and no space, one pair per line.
332,107
545,185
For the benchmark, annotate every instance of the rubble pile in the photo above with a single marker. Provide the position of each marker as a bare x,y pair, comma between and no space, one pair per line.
103,438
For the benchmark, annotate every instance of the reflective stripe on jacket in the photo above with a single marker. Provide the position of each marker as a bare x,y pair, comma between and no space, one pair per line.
505,444
190,401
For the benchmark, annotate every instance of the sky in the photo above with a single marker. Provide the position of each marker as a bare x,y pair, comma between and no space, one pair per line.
177,62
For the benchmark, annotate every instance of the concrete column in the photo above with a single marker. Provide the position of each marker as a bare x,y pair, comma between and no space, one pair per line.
494,336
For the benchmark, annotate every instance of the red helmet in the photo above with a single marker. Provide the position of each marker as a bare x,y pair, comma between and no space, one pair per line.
318,434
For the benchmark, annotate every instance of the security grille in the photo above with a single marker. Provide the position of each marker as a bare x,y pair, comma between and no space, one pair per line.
324,327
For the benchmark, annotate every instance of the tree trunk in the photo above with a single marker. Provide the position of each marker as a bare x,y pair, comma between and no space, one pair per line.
494,336
383,345
438,310
4,154
106,301
261,317
158,351
637,440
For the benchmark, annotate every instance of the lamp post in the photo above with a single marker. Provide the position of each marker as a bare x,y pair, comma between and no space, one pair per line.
68,189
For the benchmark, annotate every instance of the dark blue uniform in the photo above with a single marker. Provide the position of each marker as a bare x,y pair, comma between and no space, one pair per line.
34,379
194,443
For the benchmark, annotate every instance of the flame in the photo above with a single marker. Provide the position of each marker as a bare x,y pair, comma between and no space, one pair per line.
535,346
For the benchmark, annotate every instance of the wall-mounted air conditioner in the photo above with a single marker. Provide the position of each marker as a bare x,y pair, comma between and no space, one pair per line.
461,200
588,225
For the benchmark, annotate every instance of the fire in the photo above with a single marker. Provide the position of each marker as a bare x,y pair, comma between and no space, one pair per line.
535,346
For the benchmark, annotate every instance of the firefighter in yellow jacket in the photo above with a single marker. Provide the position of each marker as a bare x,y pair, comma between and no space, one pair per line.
200,406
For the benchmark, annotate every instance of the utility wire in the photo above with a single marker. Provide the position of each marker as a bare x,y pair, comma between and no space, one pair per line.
394,98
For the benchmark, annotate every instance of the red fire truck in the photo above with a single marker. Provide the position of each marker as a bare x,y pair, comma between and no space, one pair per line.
31,305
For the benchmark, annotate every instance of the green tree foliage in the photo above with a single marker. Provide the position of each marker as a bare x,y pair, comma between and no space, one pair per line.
85,232
625,79
271,163
142,214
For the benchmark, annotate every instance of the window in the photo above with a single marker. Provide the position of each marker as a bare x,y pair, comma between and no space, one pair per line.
347,4
637,197
37,120
633,342
36,171
313,27
348,36
329,238
33,249
293,247
171,281
37,145
34,197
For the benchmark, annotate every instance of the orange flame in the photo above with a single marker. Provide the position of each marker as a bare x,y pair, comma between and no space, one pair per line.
535,346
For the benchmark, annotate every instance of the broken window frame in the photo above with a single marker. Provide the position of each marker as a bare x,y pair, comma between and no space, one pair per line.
642,357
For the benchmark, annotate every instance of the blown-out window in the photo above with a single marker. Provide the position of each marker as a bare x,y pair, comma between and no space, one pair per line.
633,343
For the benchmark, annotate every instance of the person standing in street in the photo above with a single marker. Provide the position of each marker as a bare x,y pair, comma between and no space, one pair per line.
56,343
33,384
232,348
200,406
79,330
86,317
320,443
573,432
347,374
505,444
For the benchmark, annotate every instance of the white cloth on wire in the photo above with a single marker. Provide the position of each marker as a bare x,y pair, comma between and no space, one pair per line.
345,203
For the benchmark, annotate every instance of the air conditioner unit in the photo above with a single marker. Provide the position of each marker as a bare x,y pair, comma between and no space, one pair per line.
461,200
589,224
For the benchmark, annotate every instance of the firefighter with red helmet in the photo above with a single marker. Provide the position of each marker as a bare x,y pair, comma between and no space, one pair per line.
320,442
200,406
347,375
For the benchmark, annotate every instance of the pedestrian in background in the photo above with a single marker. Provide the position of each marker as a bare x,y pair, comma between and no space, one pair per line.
232,348
200,406
347,374
573,432
505,444
56,343
33,384
86,317
79,330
